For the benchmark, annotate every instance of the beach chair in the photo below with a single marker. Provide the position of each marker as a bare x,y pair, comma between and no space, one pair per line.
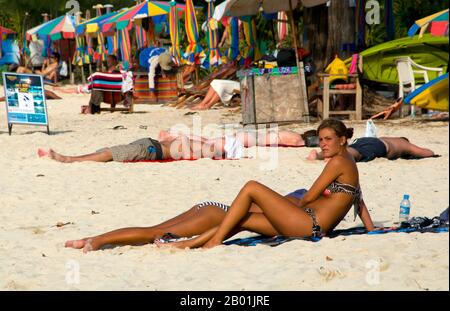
110,84
409,72
352,88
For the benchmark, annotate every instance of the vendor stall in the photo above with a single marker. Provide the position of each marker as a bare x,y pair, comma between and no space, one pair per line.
272,95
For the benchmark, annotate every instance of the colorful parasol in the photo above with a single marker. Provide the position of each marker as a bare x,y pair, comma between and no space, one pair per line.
62,27
174,27
436,24
213,56
233,31
251,51
194,52
142,10
92,25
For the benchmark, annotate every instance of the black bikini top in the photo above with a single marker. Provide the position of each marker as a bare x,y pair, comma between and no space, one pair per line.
355,192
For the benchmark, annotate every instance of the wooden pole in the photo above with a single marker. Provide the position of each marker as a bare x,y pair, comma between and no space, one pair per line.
299,66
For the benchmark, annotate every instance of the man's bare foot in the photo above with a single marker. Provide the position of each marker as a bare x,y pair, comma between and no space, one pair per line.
59,157
312,155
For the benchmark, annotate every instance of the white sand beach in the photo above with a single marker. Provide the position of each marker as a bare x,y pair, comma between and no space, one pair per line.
92,198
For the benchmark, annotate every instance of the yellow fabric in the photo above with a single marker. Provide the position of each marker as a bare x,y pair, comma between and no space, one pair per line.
91,28
337,67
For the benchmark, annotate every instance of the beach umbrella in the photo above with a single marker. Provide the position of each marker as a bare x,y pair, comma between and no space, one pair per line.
174,27
58,28
251,49
62,27
142,10
233,31
92,25
252,7
213,56
194,52
435,24
6,31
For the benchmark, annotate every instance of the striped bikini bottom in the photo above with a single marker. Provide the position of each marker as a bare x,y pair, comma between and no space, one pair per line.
212,203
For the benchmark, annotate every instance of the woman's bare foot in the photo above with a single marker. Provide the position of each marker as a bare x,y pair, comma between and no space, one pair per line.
199,107
178,244
211,243
87,244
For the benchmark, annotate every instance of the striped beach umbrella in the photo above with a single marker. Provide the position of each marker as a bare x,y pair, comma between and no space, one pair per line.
251,50
174,27
194,52
213,55
233,31
92,25
62,27
436,24
139,11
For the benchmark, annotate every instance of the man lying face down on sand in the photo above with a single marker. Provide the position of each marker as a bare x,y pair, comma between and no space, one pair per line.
366,149
181,147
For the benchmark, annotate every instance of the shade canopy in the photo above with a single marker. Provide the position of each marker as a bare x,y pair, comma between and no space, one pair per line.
252,7
62,27
92,25
6,31
438,20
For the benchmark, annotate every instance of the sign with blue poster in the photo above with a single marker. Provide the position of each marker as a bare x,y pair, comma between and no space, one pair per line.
25,100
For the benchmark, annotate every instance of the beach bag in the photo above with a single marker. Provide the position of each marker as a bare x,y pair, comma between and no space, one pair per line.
286,58
64,71
371,130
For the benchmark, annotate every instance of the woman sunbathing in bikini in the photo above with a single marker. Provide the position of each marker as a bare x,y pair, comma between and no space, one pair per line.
259,209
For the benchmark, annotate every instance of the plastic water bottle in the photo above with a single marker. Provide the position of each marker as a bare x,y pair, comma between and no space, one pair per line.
405,207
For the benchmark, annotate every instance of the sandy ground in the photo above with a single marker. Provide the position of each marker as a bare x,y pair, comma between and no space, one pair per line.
36,194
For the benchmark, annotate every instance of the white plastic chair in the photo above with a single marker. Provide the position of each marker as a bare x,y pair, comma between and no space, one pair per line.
407,76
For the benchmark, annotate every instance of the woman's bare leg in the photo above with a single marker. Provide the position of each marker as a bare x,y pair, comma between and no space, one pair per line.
285,217
185,225
210,99
102,156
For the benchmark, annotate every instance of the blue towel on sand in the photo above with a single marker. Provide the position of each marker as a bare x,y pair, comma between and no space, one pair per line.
415,224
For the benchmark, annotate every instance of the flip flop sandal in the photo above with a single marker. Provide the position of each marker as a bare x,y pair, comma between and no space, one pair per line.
119,127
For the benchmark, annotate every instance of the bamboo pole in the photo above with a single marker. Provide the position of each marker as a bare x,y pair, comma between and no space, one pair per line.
299,66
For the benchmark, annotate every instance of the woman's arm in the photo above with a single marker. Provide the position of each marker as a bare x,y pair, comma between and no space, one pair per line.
331,172
365,216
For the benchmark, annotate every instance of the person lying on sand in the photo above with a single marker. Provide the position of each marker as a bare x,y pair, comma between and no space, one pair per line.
178,147
259,209
49,67
366,149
